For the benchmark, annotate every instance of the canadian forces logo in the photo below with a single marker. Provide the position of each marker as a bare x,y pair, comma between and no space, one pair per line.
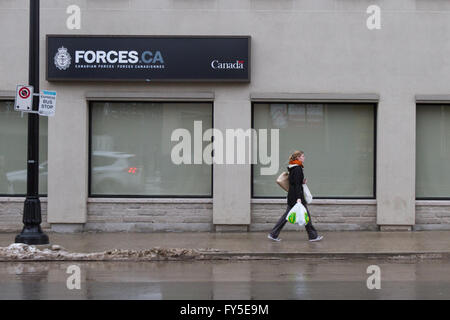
62,59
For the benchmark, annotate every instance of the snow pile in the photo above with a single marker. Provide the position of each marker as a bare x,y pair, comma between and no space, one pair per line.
23,252
21,248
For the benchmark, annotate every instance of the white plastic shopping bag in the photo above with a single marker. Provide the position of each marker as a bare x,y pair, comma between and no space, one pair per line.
298,214
307,194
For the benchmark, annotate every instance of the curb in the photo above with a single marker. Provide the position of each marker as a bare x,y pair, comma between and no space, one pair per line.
330,255
242,256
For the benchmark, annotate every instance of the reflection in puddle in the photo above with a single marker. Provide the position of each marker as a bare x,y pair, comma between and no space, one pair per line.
243,280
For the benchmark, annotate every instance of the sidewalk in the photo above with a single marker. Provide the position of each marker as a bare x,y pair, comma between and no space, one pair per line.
348,244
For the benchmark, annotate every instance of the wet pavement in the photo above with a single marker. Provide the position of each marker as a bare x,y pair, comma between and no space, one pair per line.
294,268
224,280
294,244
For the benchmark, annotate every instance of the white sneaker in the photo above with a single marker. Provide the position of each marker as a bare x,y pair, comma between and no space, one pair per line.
316,239
272,238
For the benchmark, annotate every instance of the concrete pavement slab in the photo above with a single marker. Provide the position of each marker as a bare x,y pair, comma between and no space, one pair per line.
426,244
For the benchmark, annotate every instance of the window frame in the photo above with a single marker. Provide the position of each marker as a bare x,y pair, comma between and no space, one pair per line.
334,103
6,98
91,195
439,101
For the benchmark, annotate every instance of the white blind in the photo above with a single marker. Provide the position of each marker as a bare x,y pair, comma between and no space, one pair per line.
338,141
13,151
433,151
131,149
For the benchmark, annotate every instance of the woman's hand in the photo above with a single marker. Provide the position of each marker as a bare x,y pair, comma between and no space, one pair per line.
304,181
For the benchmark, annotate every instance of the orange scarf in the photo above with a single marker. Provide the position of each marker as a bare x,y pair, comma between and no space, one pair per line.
297,162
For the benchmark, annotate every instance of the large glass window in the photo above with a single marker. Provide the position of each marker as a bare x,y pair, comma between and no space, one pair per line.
338,141
13,151
131,149
433,151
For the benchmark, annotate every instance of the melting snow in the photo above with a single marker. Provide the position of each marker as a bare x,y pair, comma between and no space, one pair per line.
21,252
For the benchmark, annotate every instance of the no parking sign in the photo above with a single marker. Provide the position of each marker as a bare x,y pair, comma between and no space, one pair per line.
24,101
24,98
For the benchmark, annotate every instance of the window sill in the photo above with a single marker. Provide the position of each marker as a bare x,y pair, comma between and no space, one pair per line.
321,201
435,203
150,200
19,199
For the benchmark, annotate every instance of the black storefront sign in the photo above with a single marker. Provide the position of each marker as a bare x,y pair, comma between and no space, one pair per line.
148,58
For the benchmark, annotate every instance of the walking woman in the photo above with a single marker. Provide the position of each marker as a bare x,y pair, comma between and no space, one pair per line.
295,194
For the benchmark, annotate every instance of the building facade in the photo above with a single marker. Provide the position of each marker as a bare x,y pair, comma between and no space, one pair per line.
369,106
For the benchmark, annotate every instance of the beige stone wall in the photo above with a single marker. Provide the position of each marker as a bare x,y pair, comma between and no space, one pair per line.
326,215
149,215
432,215
11,214
177,215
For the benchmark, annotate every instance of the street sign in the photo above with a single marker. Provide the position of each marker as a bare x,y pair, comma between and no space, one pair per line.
24,98
148,58
47,103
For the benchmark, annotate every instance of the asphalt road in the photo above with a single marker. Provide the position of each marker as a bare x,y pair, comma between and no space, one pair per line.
226,280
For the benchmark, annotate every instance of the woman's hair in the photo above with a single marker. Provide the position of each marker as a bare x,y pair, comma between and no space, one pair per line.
296,154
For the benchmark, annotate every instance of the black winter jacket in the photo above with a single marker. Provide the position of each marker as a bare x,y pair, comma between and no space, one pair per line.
295,186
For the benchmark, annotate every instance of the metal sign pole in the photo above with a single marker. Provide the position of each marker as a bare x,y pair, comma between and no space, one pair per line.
31,233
